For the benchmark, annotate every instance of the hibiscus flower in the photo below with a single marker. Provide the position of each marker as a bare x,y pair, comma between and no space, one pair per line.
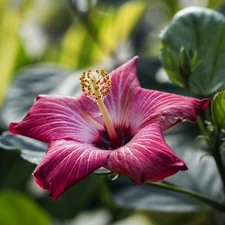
114,124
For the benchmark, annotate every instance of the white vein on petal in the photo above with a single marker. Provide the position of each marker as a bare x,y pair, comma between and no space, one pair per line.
79,151
155,106
119,110
64,112
133,155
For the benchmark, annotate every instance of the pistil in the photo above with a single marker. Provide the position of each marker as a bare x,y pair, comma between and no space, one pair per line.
97,85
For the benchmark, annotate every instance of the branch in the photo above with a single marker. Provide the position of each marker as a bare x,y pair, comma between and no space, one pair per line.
215,204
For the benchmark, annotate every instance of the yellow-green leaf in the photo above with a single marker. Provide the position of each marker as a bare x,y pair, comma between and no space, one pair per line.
91,39
9,47
18,209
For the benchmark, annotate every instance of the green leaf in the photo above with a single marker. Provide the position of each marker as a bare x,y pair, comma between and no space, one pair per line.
18,209
30,149
9,45
202,31
218,109
201,176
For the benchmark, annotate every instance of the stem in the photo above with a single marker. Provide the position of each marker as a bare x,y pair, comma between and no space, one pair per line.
90,28
204,132
220,166
83,18
213,144
199,121
217,156
188,89
215,204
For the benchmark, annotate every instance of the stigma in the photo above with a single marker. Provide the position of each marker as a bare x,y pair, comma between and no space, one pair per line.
96,84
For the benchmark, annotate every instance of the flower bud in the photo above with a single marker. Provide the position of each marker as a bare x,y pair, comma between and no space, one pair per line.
218,109
187,59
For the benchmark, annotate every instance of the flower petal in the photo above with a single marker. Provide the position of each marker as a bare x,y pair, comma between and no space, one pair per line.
167,109
56,117
66,163
147,157
124,82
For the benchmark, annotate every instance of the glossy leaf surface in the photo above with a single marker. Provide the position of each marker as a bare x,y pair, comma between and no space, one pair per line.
202,32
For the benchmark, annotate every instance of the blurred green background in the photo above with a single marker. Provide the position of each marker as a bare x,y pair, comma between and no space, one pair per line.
44,45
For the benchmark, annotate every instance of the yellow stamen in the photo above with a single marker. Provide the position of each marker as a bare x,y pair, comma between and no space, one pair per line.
96,85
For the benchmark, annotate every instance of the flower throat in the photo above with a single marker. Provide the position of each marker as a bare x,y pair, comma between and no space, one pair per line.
96,85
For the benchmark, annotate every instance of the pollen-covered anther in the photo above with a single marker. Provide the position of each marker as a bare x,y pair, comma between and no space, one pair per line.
95,83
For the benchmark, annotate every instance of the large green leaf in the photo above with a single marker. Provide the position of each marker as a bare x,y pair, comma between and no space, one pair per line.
18,209
202,32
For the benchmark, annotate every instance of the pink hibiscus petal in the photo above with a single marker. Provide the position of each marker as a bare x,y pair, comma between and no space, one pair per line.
147,157
167,109
56,117
124,82
66,163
